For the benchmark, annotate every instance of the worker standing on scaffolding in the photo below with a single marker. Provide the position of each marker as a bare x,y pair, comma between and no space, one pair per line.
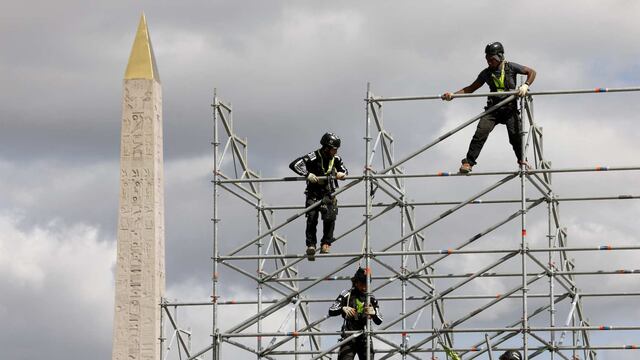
500,75
322,168
351,304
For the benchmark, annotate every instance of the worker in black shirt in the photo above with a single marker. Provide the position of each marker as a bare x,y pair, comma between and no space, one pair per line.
351,304
321,168
500,75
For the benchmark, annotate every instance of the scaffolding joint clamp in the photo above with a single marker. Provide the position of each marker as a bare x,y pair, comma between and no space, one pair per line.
217,336
551,272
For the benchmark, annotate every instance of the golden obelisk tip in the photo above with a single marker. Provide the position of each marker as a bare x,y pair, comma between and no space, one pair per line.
142,62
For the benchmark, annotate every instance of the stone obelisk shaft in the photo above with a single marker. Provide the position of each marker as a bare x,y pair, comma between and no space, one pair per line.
140,272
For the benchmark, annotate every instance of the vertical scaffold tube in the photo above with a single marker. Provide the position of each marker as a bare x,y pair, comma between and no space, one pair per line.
259,273
551,232
296,341
523,238
403,271
214,276
574,335
162,339
552,307
367,215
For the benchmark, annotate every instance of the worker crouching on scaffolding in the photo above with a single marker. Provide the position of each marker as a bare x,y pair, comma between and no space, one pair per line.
322,168
500,75
351,304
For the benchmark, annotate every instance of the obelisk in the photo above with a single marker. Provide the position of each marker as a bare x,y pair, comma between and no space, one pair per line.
140,273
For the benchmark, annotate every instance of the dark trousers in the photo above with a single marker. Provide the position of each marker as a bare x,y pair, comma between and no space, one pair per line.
329,211
349,350
486,124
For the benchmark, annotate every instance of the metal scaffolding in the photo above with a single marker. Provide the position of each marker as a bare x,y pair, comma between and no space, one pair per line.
406,268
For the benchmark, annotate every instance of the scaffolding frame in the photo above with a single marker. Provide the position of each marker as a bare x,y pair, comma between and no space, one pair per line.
285,280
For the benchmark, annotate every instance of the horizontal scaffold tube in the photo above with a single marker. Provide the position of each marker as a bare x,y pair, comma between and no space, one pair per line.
467,275
530,171
444,174
431,252
434,331
556,349
474,202
532,93
222,301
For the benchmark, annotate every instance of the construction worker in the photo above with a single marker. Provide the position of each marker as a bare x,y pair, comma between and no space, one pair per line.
511,355
321,168
500,75
351,304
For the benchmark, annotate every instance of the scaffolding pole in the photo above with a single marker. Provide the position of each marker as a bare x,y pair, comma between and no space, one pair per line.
215,354
367,216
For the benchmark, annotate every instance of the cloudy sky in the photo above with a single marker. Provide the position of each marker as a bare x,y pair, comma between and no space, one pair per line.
292,71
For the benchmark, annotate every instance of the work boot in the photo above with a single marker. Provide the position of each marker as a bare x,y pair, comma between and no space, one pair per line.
311,253
465,168
324,249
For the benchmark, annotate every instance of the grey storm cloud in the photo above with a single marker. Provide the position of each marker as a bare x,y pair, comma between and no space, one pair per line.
292,70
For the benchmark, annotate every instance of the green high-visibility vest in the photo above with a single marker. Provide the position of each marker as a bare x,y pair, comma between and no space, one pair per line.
330,167
359,306
499,82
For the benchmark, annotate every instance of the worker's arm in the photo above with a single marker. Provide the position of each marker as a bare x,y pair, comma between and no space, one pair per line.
338,304
531,75
374,311
340,168
465,90
299,165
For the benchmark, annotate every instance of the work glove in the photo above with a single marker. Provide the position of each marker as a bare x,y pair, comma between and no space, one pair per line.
349,312
523,89
447,96
340,175
312,178
369,310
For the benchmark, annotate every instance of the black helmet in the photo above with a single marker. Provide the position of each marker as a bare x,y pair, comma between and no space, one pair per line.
511,355
330,140
495,48
359,276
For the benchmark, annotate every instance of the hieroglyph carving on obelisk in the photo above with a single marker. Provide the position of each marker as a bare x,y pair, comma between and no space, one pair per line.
140,273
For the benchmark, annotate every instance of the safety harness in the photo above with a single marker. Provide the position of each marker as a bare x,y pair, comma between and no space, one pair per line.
359,307
499,82
330,167
449,351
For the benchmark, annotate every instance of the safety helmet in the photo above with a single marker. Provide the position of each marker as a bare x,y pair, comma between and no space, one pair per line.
511,355
359,276
495,48
330,140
